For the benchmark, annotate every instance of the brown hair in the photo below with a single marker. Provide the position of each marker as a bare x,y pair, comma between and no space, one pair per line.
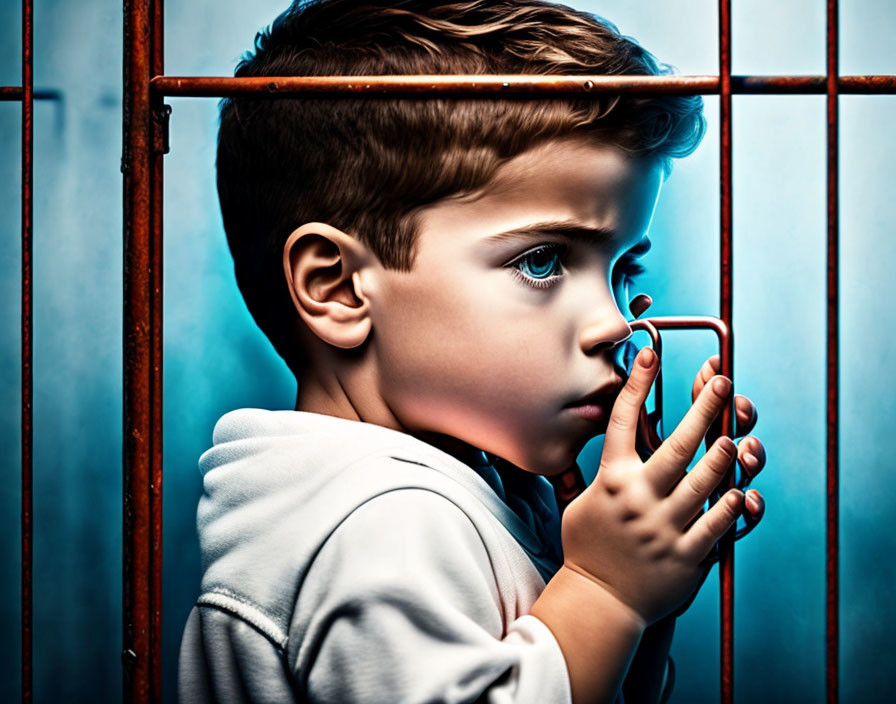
366,165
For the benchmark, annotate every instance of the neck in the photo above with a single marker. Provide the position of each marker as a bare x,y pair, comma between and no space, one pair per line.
344,394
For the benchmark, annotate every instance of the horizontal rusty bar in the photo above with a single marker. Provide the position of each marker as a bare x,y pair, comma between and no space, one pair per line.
497,85
813,85
15,93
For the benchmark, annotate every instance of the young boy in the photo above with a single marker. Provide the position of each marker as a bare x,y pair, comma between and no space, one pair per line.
445,279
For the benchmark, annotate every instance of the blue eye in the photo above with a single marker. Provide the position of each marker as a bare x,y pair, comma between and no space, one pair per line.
540,264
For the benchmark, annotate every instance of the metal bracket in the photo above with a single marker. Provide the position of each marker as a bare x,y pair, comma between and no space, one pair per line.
160,120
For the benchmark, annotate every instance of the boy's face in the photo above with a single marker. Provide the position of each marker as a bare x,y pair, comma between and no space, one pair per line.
495,336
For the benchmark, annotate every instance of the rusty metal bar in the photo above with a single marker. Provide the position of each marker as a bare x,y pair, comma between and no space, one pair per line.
10,93
722,330
832,592
27,347
142,163
497,85
142,366
159,126
726,295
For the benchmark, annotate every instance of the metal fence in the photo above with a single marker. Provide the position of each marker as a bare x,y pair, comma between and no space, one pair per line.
25,94
145,141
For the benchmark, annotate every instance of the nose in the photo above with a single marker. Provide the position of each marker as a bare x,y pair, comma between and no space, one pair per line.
605,329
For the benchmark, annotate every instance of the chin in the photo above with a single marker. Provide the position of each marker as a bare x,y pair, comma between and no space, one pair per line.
549,463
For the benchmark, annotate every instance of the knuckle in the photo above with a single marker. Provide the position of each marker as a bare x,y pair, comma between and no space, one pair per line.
631,393
730,512
610,481
699,484
696,484
717,522
722,453
619,423
646,536
677,449
637,498
708,406
658,550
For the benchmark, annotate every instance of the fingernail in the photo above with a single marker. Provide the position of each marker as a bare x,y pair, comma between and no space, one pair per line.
646,357
721,385
751,460
752,501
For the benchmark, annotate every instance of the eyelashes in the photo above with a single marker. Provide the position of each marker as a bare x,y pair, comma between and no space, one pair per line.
629,269
543,266
540,267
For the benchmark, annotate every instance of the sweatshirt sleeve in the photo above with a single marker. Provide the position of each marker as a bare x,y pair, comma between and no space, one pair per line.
401,604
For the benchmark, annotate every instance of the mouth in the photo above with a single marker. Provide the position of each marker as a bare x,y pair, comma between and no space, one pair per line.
597,405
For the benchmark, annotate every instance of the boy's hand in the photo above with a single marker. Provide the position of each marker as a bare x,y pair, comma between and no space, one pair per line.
633,531
750,456
750,452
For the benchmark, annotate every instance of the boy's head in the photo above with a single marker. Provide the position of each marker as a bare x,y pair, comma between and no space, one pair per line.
359,197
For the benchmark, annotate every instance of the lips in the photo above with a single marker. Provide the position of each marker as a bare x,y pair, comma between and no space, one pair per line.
596,406
603,396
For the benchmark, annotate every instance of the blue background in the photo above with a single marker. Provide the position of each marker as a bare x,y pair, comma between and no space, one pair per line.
215,360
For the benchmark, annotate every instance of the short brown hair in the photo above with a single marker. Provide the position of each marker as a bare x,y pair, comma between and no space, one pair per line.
365,165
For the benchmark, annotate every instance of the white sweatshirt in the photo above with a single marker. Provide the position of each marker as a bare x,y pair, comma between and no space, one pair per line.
345,562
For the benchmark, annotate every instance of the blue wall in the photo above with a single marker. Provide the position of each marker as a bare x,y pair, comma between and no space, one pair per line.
215,360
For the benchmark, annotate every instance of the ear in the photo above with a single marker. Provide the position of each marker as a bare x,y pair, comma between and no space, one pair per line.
322,267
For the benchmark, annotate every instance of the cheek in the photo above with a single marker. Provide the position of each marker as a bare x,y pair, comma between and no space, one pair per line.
468,353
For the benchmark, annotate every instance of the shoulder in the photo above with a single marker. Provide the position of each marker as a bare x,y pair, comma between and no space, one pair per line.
406,550
412,534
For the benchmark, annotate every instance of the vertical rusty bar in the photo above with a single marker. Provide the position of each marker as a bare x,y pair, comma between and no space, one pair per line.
726,563
159,135
27,348
832,597
137,355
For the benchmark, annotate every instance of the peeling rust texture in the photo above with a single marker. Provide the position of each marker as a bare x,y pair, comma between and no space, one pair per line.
500,85
832,590
142,407
726,545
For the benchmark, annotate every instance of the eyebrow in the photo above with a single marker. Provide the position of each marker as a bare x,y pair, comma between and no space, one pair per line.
594,236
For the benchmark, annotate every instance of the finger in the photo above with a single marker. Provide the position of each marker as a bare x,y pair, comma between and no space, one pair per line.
709,369
755,506
751,458
639,304
746,413
711,526
622,427
667,465
687,499
755,510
